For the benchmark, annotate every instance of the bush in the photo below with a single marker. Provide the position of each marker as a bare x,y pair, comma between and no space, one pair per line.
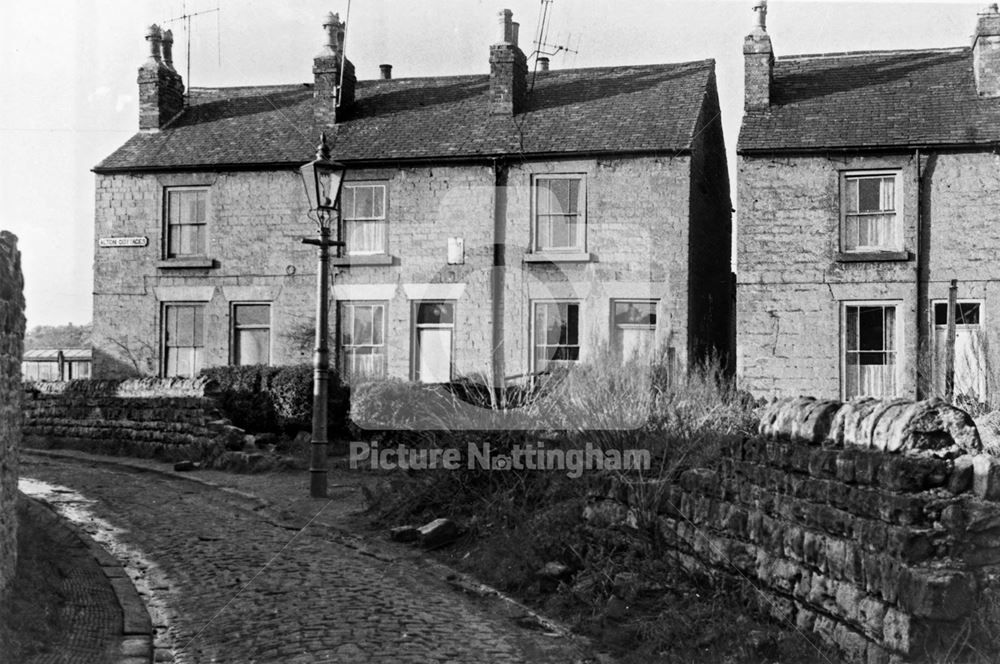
261,398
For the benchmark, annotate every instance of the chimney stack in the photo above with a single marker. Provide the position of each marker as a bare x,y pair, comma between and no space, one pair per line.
508,70
986,52
385,71
333,76
758,62
161,89
543,63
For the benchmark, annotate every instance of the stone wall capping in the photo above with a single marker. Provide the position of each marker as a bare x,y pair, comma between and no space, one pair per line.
930,427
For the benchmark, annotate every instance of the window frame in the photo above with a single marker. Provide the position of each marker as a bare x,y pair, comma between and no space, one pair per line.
166,225
533,331
535,244
164,354
233,330
342,327
415,328
344,220
896,244
898,340
615,326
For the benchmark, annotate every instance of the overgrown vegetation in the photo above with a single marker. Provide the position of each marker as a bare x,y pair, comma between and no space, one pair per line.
265,399
519,521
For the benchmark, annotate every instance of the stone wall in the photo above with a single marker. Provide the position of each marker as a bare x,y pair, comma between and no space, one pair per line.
873,525
11,349
168,419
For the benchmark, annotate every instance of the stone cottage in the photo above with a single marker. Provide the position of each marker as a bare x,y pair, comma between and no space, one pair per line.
869,184
493,224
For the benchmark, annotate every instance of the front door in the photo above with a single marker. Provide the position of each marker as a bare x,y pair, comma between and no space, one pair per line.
970,356
434,329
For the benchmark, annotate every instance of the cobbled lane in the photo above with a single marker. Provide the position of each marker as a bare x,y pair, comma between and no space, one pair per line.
226,584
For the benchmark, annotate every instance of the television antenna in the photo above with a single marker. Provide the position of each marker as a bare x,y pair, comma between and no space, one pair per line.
542,44
186,18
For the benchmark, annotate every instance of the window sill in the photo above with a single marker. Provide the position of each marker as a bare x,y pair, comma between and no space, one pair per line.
556,257
872,256
350,261
186,263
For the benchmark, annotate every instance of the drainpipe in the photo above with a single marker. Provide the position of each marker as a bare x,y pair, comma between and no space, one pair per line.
924,357
949,353
498,277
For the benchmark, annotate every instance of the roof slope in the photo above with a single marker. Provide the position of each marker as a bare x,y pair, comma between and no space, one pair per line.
873,99
608,109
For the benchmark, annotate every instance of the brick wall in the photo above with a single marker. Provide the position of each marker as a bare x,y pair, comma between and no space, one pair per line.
792,286
168,419
256,220
870,524
11,348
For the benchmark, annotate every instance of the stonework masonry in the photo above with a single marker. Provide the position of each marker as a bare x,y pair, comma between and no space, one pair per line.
168,419
793,283
638,211
11,349
870,524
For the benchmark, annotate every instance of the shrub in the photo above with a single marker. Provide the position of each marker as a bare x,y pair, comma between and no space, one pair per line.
261,398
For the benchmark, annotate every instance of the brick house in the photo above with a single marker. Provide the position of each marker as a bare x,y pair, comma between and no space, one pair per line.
494,224
867,183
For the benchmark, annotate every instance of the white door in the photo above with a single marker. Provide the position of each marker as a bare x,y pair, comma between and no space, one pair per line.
434,355
970,356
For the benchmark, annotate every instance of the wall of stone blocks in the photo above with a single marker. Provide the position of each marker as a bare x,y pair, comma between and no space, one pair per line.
638,214
167,419
872,524
11,349
789,275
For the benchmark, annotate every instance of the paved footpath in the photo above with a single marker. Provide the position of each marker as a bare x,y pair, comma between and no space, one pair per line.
227,581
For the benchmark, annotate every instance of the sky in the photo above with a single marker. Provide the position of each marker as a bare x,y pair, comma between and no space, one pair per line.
70,96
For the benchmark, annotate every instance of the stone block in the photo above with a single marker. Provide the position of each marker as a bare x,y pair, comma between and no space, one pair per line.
986,477
962,473
938,594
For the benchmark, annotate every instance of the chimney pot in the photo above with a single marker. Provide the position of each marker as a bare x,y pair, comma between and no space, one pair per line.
154,37
168,48
385,71
515,29
506,26
543,64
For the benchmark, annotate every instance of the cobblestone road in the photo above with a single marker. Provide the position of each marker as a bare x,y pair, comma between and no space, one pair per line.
228,584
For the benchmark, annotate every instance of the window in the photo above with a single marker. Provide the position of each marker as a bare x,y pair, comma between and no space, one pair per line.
871,216
251,334
870,345
556,333
362,207
634,327
560,213
186,222
433,330
183,339
362,340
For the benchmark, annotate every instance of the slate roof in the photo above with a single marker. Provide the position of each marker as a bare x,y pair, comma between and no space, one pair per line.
873,99
646,108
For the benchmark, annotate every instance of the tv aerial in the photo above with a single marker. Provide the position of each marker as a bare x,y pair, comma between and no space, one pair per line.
186,18
543,47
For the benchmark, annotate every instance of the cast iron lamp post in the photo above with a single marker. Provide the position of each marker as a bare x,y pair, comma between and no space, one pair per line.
323,179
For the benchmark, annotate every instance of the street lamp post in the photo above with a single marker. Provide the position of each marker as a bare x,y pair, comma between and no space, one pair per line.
323,179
